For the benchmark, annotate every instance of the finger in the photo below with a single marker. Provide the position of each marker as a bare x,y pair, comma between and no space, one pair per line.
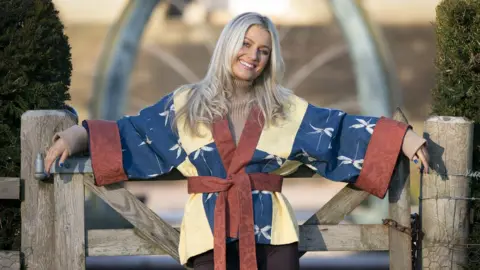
63,158
48,163
425,153
51,156
421,156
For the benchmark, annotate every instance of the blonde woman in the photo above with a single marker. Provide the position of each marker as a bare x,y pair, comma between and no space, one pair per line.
234,135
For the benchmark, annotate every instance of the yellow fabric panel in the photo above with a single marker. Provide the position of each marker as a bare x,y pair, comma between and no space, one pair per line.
187,169
284,223
283,134
195,234
190,143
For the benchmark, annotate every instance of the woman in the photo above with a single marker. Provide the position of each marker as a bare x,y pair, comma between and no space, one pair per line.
234,135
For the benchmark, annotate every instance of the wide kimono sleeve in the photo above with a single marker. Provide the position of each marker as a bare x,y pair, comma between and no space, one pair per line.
361,150
135,147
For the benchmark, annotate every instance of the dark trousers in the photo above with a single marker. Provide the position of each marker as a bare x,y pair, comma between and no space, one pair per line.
269,257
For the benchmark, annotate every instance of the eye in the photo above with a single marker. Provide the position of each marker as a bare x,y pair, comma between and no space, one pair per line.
246,44
265,52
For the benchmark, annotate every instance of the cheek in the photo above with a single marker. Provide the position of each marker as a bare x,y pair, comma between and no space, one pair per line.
263,61
241,52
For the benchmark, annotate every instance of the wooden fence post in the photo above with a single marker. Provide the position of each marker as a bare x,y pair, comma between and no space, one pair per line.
444,193
37,208
400,243
69,221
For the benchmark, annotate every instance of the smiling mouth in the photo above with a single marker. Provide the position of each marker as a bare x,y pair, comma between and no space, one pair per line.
247,65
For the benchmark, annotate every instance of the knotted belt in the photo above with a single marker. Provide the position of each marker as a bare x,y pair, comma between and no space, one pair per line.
233,214
234,211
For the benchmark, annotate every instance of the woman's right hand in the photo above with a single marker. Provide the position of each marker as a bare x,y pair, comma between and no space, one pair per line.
58,149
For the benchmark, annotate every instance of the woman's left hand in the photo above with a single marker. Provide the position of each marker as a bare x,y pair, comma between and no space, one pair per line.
422,156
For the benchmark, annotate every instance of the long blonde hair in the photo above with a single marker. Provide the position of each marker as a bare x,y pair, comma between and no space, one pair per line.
208,99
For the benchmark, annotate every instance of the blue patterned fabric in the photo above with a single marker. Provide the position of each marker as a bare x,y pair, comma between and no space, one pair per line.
149,146
329,141
333,143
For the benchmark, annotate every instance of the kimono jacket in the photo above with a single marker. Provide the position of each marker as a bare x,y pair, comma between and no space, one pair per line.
235,192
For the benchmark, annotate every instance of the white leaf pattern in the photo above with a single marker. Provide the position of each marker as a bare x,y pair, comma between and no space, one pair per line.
277,159
146,141
305,154
197,153
364,124
270,158
328,131
210,196
357,163
263,231
166,114
200,151
177,147
207,148
260,193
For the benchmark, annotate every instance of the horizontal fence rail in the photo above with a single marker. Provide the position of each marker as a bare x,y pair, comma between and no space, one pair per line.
9,188
128,242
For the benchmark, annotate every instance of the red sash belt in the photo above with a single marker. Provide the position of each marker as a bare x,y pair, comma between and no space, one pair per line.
234,211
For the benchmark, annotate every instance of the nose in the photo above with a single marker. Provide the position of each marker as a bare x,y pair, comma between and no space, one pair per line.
253,54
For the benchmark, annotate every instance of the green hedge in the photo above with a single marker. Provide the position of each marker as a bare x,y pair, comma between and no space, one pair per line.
35,71
457,92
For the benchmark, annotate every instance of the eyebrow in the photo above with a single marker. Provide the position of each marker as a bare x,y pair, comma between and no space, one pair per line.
265,46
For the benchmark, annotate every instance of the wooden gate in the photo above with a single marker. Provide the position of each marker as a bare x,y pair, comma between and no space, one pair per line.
53,229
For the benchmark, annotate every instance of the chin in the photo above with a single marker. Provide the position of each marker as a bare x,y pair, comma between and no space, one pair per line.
242,76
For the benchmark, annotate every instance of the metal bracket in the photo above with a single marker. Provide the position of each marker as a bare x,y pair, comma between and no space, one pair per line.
70,166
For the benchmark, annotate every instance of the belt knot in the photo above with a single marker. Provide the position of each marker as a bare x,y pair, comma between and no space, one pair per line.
234,211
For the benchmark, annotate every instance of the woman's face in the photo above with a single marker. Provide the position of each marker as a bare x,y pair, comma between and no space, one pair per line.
253,57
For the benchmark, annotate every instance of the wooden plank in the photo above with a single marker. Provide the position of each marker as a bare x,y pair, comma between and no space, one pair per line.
129,242
400,249
343,238
69,222
334,211
123,242
9,188
83,164
9,260
445,191
37,208
145,220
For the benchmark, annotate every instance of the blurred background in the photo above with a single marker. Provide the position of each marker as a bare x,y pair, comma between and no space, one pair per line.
176,47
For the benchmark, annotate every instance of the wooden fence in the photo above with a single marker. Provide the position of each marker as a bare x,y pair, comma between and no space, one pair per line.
53,229
9,190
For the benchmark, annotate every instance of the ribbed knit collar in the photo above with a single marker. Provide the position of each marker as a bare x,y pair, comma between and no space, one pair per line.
239,106
242,90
